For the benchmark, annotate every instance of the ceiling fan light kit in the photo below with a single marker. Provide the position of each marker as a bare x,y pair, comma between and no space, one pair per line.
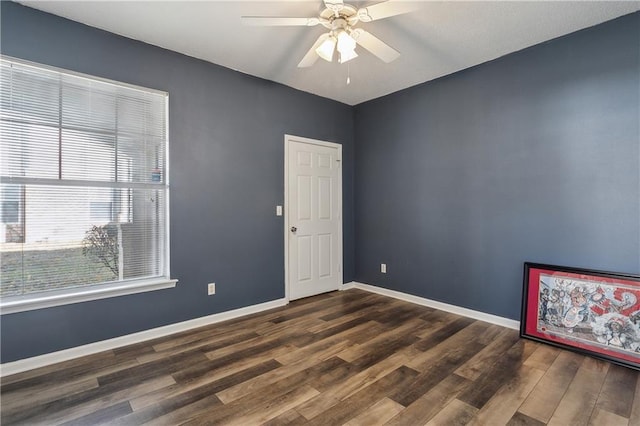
346,47
326,49
340,19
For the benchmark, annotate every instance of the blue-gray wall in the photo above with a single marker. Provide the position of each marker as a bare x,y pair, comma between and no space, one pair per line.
532,157
227,175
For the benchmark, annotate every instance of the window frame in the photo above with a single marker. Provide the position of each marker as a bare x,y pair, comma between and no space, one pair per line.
51,298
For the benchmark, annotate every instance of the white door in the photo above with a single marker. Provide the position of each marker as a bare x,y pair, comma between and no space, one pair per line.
313,225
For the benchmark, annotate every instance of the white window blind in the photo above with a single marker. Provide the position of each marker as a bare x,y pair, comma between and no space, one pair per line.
83,169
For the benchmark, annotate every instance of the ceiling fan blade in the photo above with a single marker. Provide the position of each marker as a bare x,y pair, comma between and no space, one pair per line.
335,6
273,21
311,57
386,9
374,45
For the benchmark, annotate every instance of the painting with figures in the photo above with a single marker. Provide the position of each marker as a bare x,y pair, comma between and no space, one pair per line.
592,312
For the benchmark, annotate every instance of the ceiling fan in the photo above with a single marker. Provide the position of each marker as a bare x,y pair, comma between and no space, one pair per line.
340,18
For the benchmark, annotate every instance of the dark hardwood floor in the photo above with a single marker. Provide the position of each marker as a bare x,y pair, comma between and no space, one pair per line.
347,357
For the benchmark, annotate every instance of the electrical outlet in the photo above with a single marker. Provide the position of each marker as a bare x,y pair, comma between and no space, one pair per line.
211,289
383,268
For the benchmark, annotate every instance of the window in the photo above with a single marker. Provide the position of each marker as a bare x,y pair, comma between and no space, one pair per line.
11,204
84,187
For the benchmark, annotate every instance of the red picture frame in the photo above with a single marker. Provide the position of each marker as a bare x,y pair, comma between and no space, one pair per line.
595,313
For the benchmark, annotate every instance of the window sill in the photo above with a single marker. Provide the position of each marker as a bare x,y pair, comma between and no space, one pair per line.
13,304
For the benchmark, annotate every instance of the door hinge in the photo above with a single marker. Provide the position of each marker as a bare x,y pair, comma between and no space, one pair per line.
339,161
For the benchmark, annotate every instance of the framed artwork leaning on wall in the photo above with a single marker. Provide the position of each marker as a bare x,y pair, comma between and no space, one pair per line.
592,312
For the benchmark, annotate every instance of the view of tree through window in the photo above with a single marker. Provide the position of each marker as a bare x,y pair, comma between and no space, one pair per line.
83,181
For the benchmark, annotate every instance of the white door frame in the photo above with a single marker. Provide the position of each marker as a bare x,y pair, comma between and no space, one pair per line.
292,138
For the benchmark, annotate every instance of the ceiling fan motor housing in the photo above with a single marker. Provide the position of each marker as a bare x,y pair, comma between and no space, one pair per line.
339,18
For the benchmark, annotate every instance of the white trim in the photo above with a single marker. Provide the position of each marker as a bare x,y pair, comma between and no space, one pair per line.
92,348
30,64
19,180
65,296
167,203
292,138
482,316
10,304
348,286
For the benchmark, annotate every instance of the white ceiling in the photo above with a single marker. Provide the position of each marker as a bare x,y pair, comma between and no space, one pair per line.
440,38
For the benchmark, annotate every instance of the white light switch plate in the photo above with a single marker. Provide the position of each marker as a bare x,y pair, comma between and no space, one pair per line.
278,210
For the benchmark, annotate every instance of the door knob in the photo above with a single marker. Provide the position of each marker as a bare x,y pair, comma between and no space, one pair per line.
294,229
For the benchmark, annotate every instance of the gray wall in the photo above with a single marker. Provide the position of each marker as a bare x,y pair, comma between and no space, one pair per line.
227,173
531,157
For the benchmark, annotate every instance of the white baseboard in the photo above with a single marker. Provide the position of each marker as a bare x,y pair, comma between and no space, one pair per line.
348,286
482,316
92,348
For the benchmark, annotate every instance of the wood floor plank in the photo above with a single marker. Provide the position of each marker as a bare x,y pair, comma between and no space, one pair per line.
102,415
182,396
369,331
178,416
312,310
473,368
602,417
289,418
288,336
341,390
264,412
204,345
276,390
616,395
197,369
125,379
445,333
428,405
436,373
383,349
403,332
578,402
355,307
271,328
265,380
55,372
496,375
545,397
29,396
435,320
634,418
520,419
543,357
350,357
83,404
378,413
219,330
367,311
454,413
441,343
492,332
504,404
360,401
62,376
